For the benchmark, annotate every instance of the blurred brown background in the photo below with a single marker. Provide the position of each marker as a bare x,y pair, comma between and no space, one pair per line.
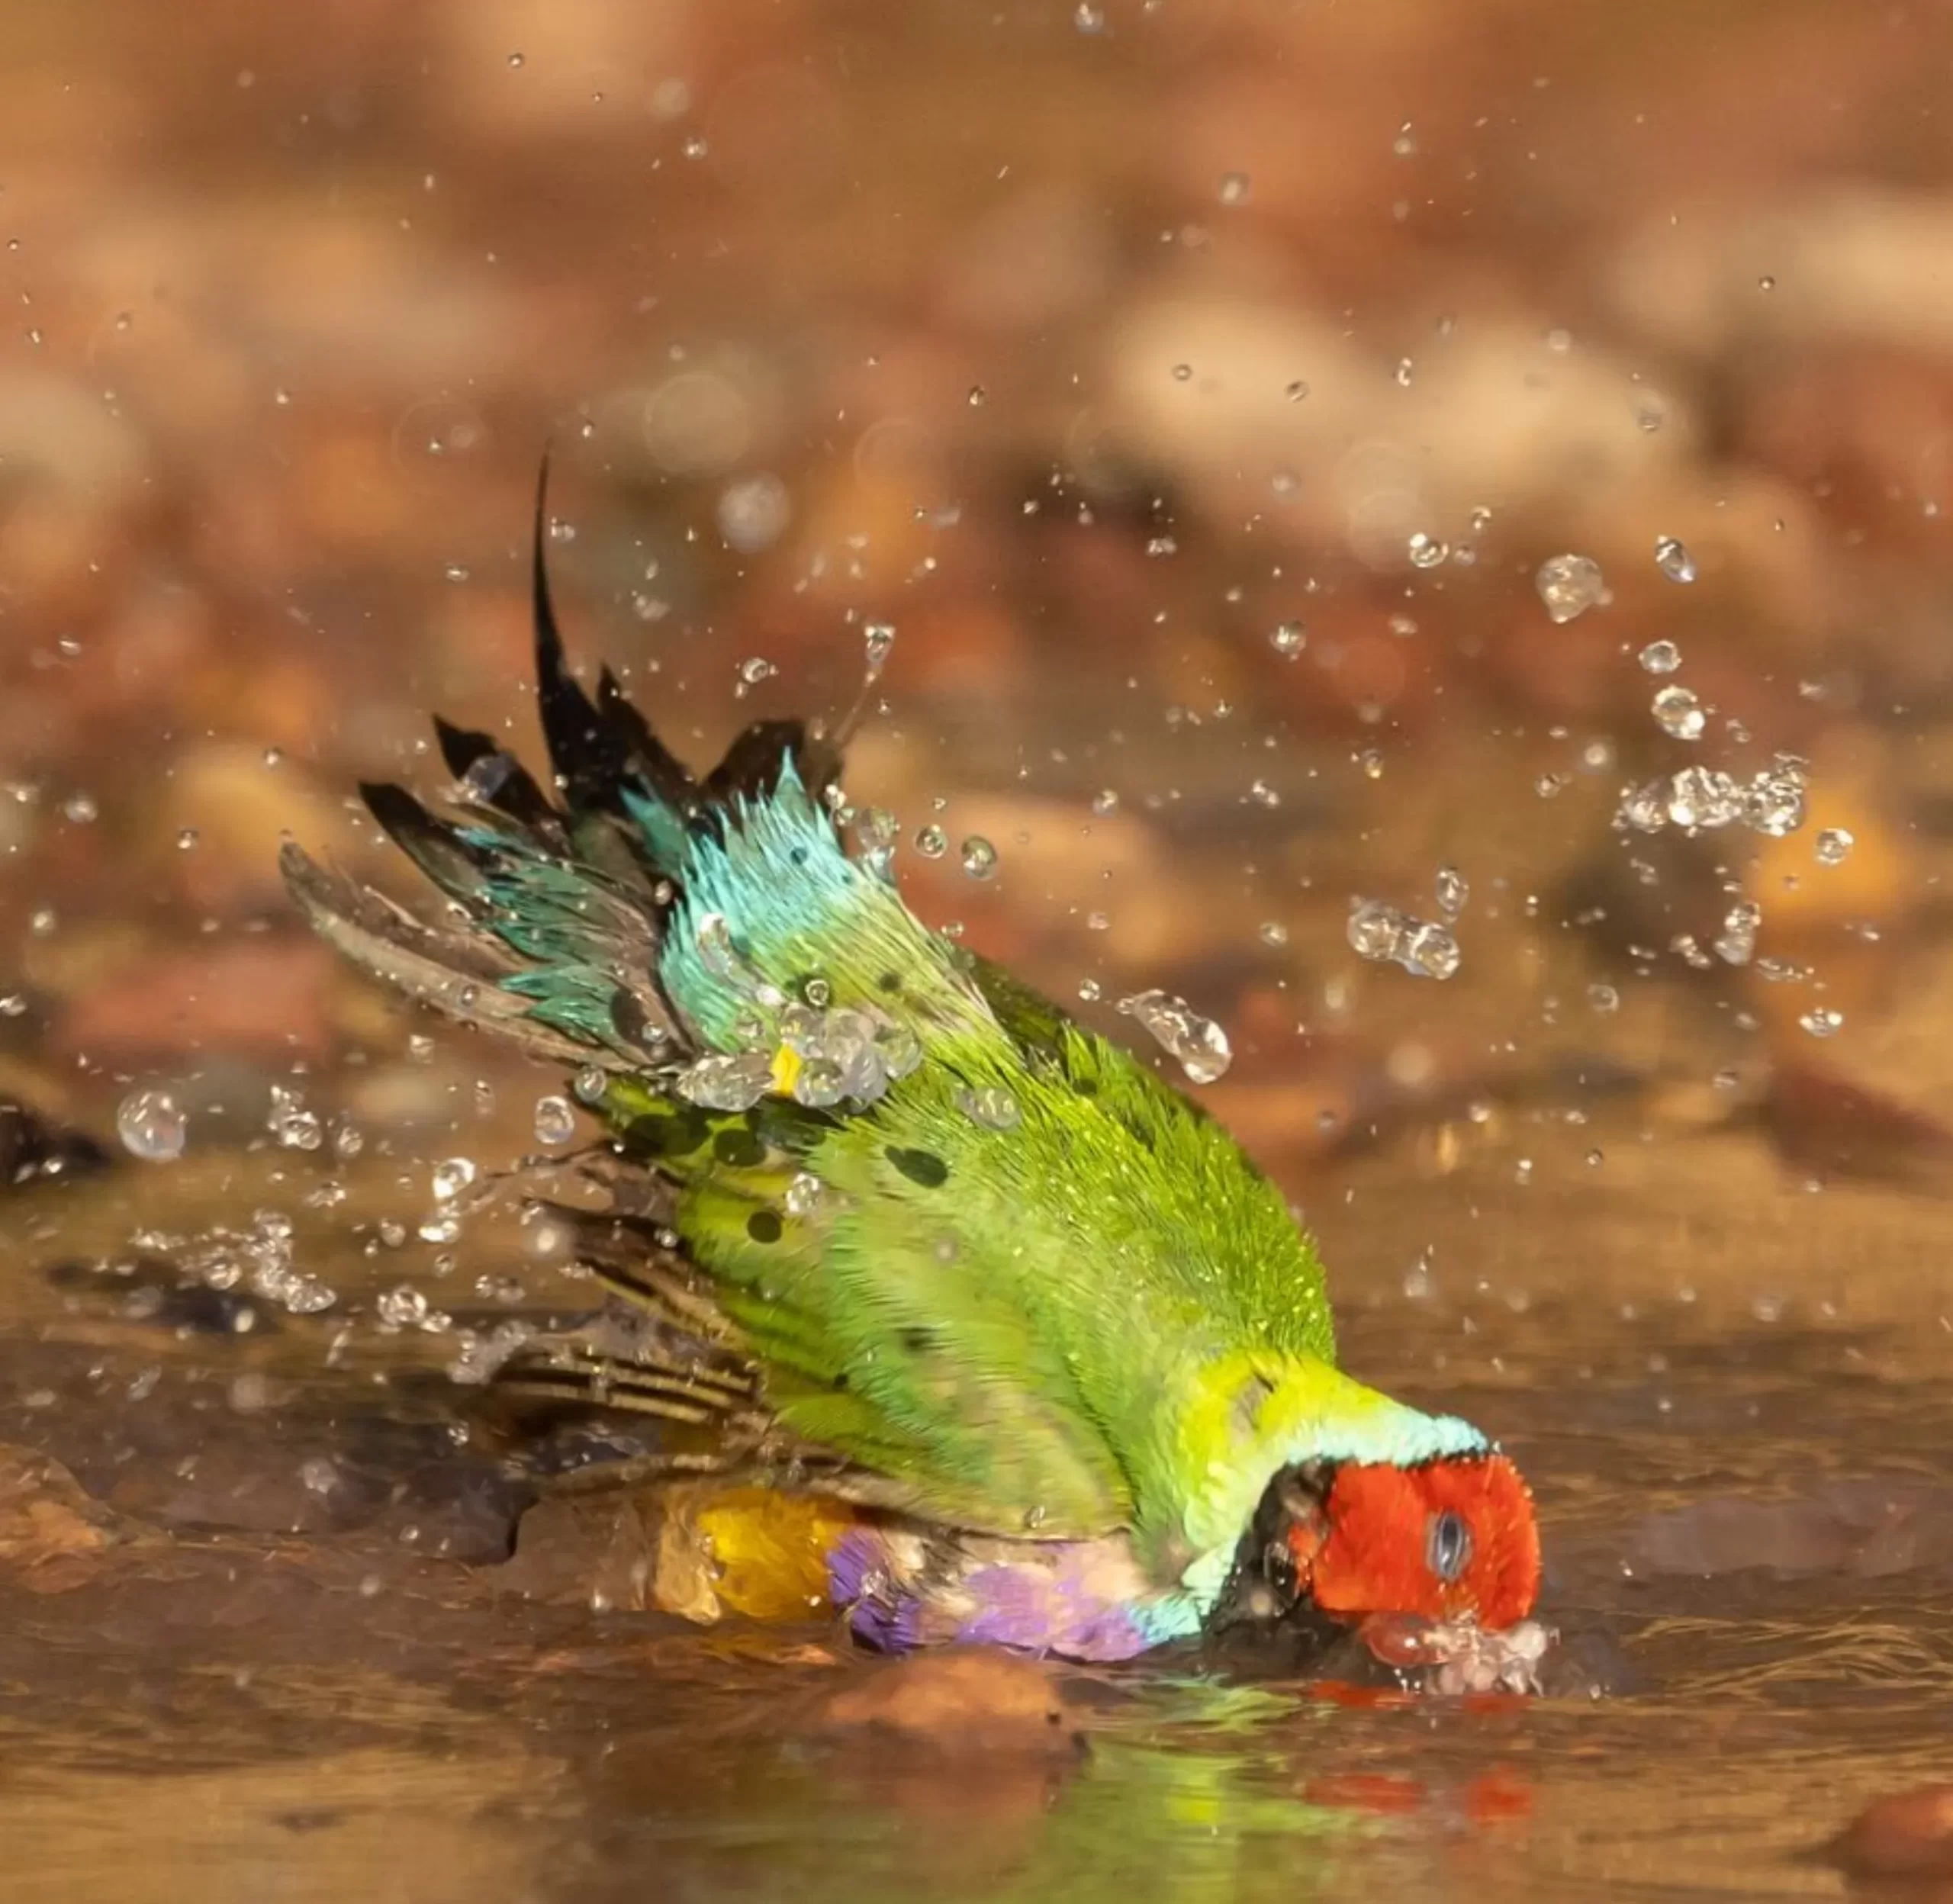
1197,389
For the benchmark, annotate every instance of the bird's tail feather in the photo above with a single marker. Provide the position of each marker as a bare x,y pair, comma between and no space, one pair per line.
561,902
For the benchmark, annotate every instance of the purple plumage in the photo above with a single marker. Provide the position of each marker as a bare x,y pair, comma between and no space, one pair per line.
900,1589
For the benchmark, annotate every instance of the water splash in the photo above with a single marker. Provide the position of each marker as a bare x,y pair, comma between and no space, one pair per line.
152,1126
1200,1045
1569,585
1384,935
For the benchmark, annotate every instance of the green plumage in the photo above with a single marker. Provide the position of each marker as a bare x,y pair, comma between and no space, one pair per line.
1012,1282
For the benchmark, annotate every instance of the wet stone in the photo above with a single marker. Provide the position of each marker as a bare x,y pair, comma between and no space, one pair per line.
1908,1835
959,1699
52,1534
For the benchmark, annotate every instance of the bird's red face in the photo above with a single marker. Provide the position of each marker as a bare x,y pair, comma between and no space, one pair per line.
1450,1539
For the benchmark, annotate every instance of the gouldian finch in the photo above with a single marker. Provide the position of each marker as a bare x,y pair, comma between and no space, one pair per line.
902,1234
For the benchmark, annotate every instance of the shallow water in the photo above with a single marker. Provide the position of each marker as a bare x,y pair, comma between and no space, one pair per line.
1200,387
261,1688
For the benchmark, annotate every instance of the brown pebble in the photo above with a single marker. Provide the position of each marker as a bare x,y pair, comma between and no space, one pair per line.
52,1534
964,1698
1908,1836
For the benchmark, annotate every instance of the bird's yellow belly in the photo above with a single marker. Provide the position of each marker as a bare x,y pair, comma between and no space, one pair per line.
747,1551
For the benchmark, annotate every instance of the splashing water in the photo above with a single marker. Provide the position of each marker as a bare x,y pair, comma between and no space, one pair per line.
732,1082
1679,711
1701,799
1384,935
555,1121
152,1126
262,1257
1201,1046
295,1127
1674,560
1736,944
992,1106
1569,585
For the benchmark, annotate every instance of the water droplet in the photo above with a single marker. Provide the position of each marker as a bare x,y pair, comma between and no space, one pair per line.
1106,802
979,856
931,842
1673,559
728,1082
1371,760
1381,933
1289,639
555,1121
899,1049
515,59
1661,657
295,1127
1822,1022
713,937
1678,711
758,669
803,1193
1088,18
1375,930
1774,801
402,1307
878,638
1833,845
1569,585
1263,795
1199,1043
451,1175
1296,391
992,1106
1234,188
590,1085
1431,952
1453,890
1181,372
152,1126
1736,942
79,808
1603,997
1426,552
1700,797
1272,932
877,832
274,756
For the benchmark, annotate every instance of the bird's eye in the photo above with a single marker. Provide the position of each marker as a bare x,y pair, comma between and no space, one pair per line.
1448,1544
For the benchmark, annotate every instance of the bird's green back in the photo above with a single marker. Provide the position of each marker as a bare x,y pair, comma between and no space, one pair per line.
1015,1322
1026,1285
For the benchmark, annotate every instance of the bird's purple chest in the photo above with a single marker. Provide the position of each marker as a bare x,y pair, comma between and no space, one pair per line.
1080,1599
